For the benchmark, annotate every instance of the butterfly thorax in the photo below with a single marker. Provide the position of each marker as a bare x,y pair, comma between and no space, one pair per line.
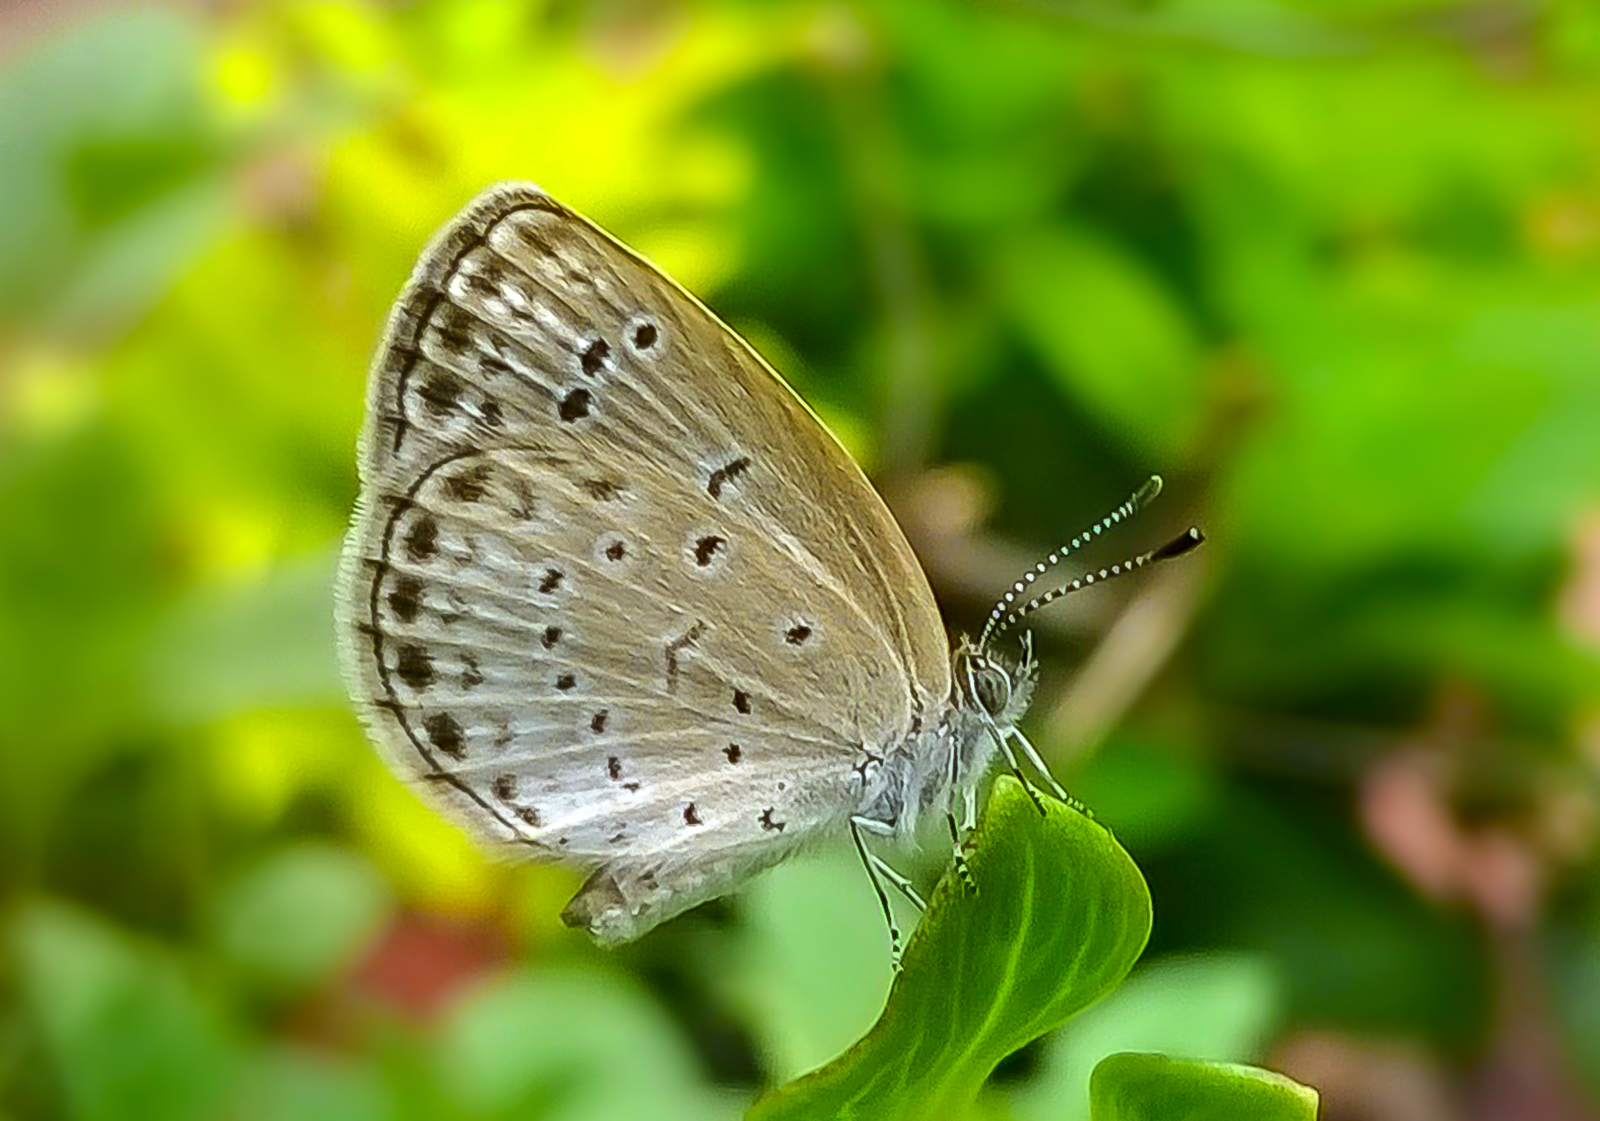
940,763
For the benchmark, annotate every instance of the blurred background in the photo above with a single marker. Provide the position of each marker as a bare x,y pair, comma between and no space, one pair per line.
1332,268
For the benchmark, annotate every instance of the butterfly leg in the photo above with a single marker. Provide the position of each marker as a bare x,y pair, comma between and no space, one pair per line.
1038,764
877,887
898,880
877,867
1015,767
887,870
969,798
963,869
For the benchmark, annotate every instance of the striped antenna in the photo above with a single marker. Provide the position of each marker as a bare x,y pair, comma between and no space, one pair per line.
1136,502
1175,548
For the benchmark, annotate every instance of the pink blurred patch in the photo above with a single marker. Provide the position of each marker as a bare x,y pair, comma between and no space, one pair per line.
1407,814
1369,1080
423,961
1580,599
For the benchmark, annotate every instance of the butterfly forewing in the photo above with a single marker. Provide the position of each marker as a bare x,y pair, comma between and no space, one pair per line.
612,591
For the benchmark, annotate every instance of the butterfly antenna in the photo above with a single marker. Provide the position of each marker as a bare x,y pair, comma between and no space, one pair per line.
1136,502
1178,546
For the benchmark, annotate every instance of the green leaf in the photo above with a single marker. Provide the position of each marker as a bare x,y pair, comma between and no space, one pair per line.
1059,917
569,1044
1220,1007
110,165
1136,1087
299,916
124,1029
1571,960
815,970
264,644
1113,336
294,1082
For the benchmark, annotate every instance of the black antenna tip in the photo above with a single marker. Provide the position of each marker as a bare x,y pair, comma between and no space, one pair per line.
1179,545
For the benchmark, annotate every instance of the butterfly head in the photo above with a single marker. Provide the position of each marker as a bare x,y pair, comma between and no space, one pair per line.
989,682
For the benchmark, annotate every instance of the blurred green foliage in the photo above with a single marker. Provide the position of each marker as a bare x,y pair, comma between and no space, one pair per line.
1332,268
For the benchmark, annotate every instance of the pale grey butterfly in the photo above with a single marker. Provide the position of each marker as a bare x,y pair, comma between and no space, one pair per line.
613,596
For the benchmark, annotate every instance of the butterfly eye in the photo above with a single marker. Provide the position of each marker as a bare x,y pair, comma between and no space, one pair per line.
993,689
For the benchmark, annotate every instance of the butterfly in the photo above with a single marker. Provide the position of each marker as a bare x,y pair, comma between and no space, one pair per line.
613,596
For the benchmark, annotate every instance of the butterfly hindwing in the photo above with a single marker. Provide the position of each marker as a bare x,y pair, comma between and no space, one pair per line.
612,592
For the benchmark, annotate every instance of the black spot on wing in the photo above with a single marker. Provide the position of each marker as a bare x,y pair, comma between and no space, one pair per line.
444,732
602,490
414,666
726,474
469,484
575,405
706,548
405,598
422,539
441,392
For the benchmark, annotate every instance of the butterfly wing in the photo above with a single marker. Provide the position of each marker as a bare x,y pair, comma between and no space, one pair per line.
612,593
